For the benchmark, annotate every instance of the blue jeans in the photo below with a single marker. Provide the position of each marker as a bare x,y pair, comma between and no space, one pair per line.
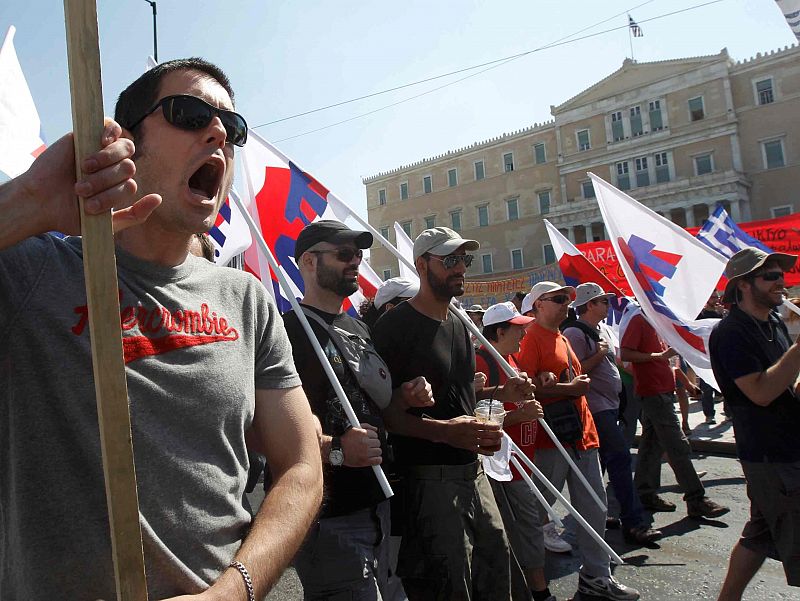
615,455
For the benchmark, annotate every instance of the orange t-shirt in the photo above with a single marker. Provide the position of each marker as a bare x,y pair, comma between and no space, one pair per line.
545,350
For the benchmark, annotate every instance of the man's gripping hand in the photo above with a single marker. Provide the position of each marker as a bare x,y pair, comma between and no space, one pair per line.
106,182
517,389
414,393
361,446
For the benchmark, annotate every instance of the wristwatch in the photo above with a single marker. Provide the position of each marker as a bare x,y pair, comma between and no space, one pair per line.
336,454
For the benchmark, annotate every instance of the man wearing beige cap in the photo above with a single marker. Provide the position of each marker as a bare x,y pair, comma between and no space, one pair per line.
544,348
756,365
436,450
591,340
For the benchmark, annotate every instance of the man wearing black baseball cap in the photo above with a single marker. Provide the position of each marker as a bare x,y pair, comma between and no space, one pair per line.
347,551
756,365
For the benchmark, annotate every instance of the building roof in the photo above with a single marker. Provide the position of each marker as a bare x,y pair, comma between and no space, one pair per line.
632,75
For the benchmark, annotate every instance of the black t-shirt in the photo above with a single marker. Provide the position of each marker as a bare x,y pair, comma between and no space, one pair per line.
415,345
347,489
741,345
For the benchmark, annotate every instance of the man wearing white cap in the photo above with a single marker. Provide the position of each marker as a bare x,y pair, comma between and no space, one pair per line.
504,327
448,494
544,348
592,343
389,294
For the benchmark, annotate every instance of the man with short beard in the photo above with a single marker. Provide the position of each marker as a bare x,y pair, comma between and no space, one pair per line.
454,546
756,365
346,552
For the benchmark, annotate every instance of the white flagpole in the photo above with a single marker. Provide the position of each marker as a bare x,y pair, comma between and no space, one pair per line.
326,366
510,371
537,493
591,531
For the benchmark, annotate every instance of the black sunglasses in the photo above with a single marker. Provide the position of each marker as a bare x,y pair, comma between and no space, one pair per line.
193,113
558,299
451,261
344,254
770,276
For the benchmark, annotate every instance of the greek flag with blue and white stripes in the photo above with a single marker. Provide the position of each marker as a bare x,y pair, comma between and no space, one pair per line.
720,233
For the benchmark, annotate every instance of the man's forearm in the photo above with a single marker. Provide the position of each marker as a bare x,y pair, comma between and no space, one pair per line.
277,531
398,421
19,214
590,363
770,384
630,355
560,389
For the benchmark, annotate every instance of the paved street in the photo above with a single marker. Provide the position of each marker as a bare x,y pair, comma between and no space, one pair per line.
689,562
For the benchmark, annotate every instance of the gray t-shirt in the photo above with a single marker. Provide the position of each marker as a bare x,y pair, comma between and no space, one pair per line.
198,341
606,383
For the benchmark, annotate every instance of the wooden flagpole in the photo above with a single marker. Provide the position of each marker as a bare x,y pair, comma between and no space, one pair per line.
100,271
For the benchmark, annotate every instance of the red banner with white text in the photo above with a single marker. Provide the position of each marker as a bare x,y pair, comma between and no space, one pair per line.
781,235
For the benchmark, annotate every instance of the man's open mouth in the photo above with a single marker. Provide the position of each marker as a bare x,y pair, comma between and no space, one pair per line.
207,179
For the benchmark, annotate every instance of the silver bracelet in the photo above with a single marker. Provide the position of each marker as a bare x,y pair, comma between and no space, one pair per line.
248,582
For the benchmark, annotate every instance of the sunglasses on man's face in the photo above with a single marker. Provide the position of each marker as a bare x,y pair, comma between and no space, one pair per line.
771,276
344,254
451,261
193,113
558,299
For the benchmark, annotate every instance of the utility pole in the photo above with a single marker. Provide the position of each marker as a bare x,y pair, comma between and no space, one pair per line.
152,3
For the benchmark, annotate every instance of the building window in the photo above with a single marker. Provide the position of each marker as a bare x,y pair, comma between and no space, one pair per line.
387,273
404,191
696,111
486,260
452,177
385,232
764,93
539,154
406,225
656,121
642,176
617,128
548,254
382,196
662,168
623,176
587,189
430,222
508,162
516,259
483,216
584,142
455,220
479,172
512,208
427,184
703,164
544,202
773,154
636,121
781,211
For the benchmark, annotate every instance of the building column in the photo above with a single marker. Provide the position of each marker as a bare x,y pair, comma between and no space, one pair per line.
735,213
571,234
689,216
588,229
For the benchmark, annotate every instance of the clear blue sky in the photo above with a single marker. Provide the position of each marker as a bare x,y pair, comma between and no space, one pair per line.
287,57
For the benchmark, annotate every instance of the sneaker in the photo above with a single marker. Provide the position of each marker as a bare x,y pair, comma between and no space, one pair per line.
641,535
612,523
552,541
705,508
606,587
702,474
710,421
655,503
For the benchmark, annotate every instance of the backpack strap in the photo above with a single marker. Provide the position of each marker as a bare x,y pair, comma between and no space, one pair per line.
494,370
